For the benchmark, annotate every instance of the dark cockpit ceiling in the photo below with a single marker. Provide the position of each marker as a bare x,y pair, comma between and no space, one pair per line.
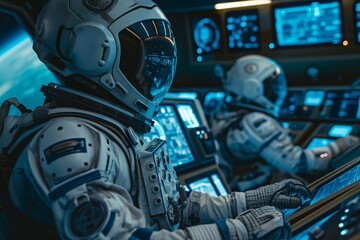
322,64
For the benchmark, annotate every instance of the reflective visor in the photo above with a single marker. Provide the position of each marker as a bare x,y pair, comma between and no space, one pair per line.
148,57
275,87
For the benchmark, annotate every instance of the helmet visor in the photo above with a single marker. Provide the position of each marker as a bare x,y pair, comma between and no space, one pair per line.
148,58
275,88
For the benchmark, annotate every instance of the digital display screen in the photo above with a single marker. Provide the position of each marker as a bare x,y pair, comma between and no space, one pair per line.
292,104
344,180
319,142
335,185
243,30
22,73
203,185
308,24
169,127
181,95
206,36
357,12
188,116
342,104
211,185
340,131
314,98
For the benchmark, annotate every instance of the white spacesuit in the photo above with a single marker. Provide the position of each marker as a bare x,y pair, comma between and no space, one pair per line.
78,168
248,129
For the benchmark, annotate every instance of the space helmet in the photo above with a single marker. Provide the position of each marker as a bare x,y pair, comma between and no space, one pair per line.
124,50
256,82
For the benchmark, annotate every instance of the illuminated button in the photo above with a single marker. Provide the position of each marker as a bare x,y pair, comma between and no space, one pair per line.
344,232
343,218
347,210
341,225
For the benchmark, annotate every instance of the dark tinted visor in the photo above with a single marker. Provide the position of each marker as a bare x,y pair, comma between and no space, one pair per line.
275,87
148,57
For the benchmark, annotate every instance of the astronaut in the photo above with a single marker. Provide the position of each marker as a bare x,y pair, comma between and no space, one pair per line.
248,127
78,168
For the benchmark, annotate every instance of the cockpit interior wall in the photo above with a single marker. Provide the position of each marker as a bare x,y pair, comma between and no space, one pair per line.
25,11
324,63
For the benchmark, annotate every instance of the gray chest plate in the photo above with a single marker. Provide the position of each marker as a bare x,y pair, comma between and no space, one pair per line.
161,184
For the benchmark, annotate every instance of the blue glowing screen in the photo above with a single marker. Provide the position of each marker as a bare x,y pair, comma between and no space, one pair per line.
203,185
167,127
206,37
211,185
313,23
350,176
340,131
314,98
319,142
243,30
188,116
182,95
342,104
337,184
293,103
357,10
22,73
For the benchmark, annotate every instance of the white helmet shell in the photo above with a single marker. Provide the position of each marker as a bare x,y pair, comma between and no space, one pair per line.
125,49
256,82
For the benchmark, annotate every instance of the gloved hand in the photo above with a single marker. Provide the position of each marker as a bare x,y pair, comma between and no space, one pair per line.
265,223
345,143
285,194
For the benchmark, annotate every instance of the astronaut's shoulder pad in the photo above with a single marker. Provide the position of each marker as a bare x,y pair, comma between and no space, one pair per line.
66,147
261,124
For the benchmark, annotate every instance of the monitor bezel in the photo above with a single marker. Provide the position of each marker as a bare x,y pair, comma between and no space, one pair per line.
304,3
239,12
198,160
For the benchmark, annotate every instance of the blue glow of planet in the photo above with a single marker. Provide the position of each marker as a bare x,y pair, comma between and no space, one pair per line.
22,74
